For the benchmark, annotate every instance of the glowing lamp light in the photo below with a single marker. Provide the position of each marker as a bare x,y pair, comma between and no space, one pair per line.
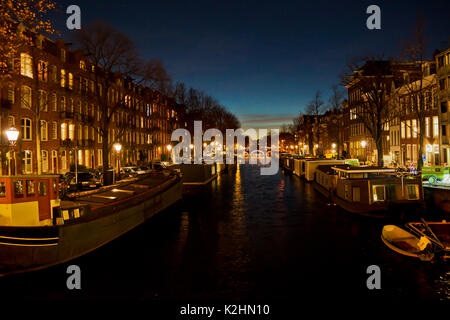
363,144
117,147
316,146
169,147
191,146
12,134
333,145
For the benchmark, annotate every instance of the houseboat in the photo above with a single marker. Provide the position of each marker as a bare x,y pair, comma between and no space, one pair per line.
287,162
38,230
305,167
368,190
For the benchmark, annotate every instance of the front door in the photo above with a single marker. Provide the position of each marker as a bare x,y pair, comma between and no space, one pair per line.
43,200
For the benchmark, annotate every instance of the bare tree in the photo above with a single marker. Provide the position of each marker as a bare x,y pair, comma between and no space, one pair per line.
28,34
415,96
115,57
335,107
154,76
373,78
315,108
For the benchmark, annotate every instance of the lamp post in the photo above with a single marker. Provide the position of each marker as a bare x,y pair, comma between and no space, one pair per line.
363,144
12,134
118,147
169,148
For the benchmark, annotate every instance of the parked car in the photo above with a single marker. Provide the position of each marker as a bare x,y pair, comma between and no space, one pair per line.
127,172
84,181
145,169
434,174
158,165
135,170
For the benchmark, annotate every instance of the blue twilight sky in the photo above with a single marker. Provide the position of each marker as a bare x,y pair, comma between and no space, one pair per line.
263,60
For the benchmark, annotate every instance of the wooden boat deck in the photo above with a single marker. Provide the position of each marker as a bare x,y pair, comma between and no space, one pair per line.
115,193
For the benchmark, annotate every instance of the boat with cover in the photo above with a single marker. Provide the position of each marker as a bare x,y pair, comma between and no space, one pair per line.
370,191
38,230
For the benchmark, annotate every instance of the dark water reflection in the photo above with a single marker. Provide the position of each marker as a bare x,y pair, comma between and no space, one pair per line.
245,236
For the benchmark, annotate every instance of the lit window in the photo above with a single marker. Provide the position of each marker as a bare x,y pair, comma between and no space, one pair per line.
71,127
378,193
42,70
63,78
414,128
26,66
435,127
63,131
70,81
82,65
100,157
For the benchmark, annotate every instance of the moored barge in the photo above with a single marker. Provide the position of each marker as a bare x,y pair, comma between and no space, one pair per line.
39,230
371,191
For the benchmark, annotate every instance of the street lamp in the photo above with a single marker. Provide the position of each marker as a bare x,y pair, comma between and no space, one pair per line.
12,134
363,144
118,147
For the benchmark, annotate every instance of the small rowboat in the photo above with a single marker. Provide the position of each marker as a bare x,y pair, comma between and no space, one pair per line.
403,242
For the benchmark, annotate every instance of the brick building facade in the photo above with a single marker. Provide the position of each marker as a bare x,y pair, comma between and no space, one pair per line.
60,84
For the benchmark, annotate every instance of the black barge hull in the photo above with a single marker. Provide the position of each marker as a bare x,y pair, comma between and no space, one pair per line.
30,248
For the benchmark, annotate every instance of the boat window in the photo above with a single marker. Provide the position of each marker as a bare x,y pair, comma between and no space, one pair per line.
379,193
2,189
413,193
18,188
30,188
42,188
356,194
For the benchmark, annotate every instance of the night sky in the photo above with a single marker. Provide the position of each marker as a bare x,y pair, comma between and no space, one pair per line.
263,60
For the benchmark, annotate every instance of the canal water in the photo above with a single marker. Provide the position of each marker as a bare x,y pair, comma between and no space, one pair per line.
244,237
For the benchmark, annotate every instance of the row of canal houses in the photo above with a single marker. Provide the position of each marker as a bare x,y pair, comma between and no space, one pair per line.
69,113
342,132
